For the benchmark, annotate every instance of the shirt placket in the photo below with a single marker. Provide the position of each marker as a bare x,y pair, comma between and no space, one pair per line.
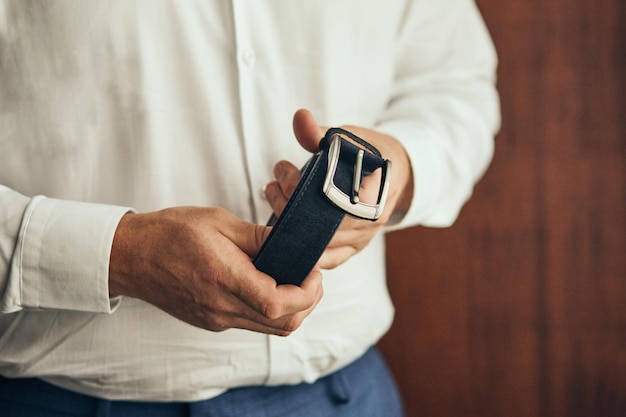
249,57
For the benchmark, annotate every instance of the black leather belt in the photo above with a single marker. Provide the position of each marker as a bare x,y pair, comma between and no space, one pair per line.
328,190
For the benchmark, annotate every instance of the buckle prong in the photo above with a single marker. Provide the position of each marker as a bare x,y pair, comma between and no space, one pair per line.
356,177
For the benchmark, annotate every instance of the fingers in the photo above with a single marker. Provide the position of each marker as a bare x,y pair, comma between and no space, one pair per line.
333,257
277,309
273,301
307,131
256,302
279,191
243,297
288,176
303,297
351,237
276,197
248,237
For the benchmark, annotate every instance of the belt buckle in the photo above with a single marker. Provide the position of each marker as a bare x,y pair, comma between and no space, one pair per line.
351,204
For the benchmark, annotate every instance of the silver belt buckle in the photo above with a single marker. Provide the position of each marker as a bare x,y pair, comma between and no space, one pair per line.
351,203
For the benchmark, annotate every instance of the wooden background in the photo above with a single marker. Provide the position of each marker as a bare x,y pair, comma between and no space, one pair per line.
519,309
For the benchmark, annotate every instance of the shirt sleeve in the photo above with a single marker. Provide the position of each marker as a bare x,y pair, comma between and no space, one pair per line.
444,108
54,254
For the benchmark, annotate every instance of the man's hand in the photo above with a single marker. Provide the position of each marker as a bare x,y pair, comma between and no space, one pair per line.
194,263
353,234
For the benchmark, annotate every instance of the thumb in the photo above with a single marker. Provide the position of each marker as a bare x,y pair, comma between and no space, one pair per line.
307,131
251,237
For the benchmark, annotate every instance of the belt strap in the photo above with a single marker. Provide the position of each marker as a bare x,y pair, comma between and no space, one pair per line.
328,190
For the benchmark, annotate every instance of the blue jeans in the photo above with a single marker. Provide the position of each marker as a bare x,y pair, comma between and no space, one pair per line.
364,388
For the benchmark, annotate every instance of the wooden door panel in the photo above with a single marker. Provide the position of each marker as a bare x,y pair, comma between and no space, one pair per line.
519,309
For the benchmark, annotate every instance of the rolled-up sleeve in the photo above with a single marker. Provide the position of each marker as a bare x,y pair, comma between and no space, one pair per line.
444,108
55,253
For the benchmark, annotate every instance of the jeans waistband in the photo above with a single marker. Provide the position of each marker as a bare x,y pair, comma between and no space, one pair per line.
357,390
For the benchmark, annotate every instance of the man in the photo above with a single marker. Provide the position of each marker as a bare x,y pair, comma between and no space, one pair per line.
142,144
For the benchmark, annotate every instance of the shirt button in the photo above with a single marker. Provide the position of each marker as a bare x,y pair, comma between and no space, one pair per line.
249,57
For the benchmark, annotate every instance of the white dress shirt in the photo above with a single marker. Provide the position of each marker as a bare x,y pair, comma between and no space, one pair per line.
108,106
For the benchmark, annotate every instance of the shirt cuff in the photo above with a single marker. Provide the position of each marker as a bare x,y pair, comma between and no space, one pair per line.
428,166
62,255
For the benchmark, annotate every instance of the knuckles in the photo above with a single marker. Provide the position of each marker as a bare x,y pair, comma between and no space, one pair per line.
272,310
291,324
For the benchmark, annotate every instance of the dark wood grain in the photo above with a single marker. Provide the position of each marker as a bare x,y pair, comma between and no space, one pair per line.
519,309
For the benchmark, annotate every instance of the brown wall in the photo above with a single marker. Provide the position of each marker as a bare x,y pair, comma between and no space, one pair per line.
519,309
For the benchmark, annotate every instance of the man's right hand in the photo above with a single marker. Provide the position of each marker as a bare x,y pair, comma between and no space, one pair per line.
195,264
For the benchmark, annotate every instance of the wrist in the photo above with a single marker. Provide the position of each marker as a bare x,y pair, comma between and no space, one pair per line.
120,261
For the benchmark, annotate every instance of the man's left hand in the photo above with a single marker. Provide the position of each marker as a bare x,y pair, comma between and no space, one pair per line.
353,234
